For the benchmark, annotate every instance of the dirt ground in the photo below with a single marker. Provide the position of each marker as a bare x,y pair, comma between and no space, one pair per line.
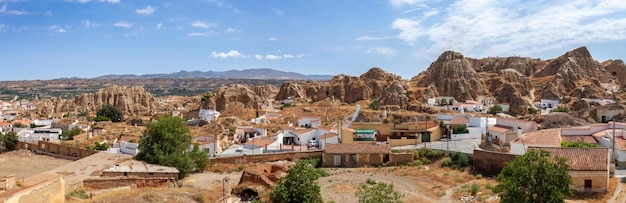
24,163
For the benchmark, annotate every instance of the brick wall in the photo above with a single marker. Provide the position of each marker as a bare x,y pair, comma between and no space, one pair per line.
490,163
55,149
52,190
260,158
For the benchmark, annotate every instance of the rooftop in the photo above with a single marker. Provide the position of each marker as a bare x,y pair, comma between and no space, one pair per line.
500,128
580,159
140,167
579,138
260,141
351,148
329,135
549,137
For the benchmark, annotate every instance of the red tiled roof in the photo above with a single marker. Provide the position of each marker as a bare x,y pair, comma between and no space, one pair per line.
300,131
580,159
324,128
459,120
550,137
352,148
261,142
500,128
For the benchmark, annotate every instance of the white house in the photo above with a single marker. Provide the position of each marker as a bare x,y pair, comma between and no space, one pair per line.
243,133
506,129
208,114
309,122
437,101
548,103
258,145
207,143
301,136
40,134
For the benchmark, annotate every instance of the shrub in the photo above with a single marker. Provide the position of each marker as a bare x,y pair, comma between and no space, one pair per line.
479,176
395,151
321,173
475,188
370,181
447,162
375,104
561,109
101,118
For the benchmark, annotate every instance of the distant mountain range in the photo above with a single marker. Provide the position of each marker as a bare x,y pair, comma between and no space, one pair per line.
263,73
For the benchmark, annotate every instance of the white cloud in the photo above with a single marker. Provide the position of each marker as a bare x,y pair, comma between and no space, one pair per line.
202,34
88,24
229,54
218,3
57,28
146,11
124,24
272,39
400,3
383,50
159,26
232,30
369,38
202,24
237,54
110,1
272,57
490,27
5,11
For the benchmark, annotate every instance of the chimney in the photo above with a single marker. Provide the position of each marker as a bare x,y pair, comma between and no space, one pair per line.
519,132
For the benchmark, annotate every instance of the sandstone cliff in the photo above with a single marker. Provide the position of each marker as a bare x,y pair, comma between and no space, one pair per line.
390,89
452,75
132,101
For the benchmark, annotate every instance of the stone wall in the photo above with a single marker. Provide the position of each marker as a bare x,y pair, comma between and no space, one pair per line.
354,160
261,158
599,180
490,163
139,182
52,190
400,158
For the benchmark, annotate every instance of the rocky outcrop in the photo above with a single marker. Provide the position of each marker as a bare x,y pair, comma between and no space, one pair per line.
616,68
390,89
250,96
452,75
130,100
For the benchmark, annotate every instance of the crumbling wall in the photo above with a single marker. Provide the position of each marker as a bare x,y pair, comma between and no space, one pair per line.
139,182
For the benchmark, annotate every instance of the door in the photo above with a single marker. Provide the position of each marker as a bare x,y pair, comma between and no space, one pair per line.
603,119
352,160
336,160
425,137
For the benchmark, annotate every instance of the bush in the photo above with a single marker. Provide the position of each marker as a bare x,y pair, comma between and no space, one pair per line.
321,173
395,151
101,118
111,112
561,109
475,188
370,181
479,176
375,104
447,162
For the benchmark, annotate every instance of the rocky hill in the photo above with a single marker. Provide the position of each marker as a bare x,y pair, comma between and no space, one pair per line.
132,101
519,81
261,73
390,89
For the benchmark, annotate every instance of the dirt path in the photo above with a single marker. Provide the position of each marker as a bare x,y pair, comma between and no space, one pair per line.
341,186
617,195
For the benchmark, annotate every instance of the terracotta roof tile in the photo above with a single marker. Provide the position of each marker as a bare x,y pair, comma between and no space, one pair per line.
500,128
352,148
550,137
260,141
580,159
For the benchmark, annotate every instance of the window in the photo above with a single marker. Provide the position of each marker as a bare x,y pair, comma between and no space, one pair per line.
587,183
150,173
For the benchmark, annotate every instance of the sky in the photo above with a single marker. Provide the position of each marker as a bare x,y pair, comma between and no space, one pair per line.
48,39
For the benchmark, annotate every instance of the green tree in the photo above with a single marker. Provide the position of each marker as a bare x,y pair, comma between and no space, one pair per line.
377,192
111,112
69,134
101,118
166,142
563,109
534,177
443,102
299,185
374,104
495,109
10,140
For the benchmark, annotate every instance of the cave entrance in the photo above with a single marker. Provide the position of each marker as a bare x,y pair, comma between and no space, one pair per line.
249,195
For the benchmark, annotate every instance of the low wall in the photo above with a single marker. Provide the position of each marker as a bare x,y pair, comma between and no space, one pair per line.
490,163
139,182
55,149
400,158
473,133
52,190
259,158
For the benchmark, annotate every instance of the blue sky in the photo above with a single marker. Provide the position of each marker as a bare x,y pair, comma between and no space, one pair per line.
46,39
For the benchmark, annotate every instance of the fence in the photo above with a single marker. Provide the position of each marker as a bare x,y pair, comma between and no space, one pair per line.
258,158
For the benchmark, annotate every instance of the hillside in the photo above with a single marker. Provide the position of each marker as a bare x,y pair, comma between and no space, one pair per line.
262,73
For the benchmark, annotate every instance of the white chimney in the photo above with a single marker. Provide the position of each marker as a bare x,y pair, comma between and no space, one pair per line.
519,132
